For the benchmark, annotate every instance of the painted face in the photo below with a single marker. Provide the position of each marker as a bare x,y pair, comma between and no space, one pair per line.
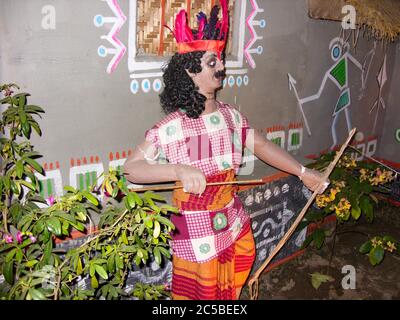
212,74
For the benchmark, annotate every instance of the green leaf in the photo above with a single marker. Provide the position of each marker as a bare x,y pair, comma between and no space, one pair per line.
8,271
115,192
78,226
165,221
126,203
365,247
28,184
94,282
47,251
36,294
11,255
164,252
90,197
36,127
367,208
148,221
319,238
31,263
169,208
54,226
26,129
92,270
355,212
307,241
152,195
35,165
100,270
317,279
111,263
65,216
376,255
124,238
138,200
33,108
157,229
79,268
157,255
389,238
20,168
70,189
118,261
131,200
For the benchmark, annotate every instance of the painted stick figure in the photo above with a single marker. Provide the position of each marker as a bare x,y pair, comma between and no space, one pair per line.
381,78
338,74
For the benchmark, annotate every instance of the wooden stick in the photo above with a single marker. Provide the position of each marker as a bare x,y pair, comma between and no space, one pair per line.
156,188
253,282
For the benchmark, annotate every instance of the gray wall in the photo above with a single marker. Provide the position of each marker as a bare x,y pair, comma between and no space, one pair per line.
92,113
390,146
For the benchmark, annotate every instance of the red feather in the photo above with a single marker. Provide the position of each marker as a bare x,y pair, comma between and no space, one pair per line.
225,19
182,31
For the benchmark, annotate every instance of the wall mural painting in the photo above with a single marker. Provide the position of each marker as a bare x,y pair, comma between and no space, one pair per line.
366,147
290,140
397,135
83,173
118,49
338,73
381,79
145,69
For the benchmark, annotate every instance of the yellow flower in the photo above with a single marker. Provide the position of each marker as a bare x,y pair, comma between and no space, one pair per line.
342,209
333,193
339,184
390,246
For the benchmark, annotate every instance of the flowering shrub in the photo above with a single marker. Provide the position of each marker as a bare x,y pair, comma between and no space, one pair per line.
352,193
132,228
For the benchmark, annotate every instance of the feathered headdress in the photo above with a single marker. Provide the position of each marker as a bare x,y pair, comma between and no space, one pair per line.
210,36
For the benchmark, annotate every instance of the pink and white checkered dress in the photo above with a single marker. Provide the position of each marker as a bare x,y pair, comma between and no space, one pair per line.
212,143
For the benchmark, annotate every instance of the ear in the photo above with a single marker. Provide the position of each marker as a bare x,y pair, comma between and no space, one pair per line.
190,74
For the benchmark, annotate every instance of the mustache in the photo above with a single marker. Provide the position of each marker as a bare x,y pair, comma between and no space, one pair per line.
220,74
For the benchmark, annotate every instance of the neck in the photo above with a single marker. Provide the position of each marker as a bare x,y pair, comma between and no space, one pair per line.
210,105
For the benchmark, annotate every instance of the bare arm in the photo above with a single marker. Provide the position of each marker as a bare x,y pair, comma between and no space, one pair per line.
275,156
138,169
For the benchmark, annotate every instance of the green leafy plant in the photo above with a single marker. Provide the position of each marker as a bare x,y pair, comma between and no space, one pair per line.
133,229
376,247
351,195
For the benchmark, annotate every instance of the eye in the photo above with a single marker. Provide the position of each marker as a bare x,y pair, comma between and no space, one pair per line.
212,63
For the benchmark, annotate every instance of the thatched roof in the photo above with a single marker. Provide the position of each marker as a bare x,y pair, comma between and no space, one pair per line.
381,18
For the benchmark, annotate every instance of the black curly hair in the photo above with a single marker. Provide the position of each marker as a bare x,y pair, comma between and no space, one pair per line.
180,92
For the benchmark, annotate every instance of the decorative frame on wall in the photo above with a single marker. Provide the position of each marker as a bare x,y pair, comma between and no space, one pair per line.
145,70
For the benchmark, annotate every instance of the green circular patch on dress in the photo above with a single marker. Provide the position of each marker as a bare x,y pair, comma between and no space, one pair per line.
171,130
215,120
205,248
225,165
220,221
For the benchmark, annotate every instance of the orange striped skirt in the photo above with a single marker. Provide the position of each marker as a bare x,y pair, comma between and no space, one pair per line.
218,279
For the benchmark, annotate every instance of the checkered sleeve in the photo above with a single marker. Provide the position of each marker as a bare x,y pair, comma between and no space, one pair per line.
152,136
